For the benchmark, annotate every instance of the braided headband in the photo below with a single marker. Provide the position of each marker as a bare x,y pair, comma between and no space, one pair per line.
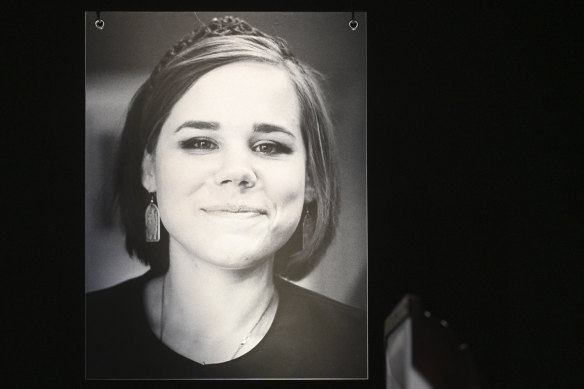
225,26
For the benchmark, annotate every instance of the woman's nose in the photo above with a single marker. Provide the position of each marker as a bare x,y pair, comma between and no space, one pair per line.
236,169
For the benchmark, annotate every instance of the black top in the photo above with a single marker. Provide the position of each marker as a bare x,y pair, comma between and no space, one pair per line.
311,336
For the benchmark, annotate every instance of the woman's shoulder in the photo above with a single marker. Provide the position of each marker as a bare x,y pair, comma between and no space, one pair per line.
305,299
310,321
115,297
114,326
320,314
119,288
114,305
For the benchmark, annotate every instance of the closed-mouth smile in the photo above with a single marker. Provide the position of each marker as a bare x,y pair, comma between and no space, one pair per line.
234,210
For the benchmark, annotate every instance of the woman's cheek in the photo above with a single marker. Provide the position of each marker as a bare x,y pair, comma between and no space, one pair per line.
291,201
288,186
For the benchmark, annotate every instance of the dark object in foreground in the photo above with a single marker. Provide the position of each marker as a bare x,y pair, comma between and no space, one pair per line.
421,351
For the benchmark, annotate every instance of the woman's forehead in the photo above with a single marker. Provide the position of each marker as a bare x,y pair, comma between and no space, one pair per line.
241,91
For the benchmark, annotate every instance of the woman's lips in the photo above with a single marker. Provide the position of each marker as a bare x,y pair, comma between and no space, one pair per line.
236,210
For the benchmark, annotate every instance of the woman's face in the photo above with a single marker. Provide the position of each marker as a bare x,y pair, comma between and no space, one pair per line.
229,166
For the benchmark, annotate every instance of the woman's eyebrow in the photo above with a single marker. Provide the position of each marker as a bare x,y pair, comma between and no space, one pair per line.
267,128
198,124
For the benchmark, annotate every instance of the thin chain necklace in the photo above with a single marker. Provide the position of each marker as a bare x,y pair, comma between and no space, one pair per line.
243,341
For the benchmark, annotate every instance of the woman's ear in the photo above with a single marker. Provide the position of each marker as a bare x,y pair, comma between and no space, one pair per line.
148,172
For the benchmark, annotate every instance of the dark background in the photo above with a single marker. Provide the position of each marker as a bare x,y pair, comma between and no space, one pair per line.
483,159
475,172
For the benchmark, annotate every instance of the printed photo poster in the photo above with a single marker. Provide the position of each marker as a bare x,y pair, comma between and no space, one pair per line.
244,135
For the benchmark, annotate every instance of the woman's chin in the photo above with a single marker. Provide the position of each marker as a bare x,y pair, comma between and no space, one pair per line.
231,250
239,263
236,257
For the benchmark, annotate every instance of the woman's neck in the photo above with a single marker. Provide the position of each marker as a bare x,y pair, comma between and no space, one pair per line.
206,293
203,311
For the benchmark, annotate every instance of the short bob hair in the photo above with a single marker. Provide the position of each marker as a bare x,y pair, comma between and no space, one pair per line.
225,41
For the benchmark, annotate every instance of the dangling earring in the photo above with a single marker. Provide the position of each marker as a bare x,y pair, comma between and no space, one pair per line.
307,229
152,221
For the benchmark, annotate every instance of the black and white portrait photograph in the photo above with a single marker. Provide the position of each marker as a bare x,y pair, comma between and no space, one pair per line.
225,195
363,195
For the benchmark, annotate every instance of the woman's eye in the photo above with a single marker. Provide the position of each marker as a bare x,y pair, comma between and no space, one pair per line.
198,144
271,148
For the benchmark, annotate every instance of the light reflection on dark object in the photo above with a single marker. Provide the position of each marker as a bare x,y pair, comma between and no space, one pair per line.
421,351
